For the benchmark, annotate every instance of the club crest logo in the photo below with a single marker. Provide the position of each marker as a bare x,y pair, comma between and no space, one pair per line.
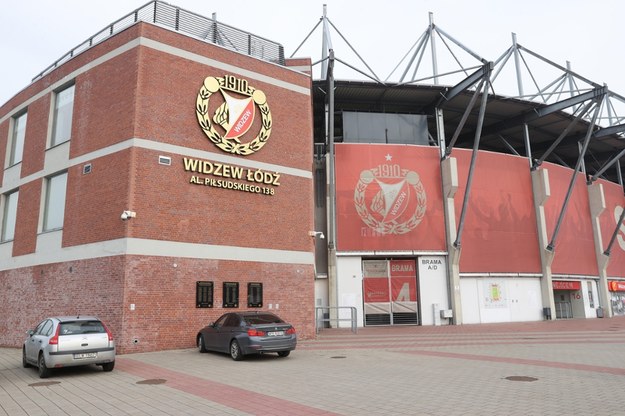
233,119
389,199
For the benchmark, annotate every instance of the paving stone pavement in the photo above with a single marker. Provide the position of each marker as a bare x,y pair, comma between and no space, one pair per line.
564,367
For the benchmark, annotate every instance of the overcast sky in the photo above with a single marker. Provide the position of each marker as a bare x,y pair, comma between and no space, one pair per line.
33,34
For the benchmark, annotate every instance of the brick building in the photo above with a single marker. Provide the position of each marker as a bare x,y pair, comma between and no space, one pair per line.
123,198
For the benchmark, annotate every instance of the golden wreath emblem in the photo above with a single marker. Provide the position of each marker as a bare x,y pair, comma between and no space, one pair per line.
387,211
235,115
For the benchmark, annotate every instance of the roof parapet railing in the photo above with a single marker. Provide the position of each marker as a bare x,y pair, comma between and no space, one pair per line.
183,21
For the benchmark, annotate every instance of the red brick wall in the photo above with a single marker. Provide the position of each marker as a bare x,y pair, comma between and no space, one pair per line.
27,219
105,98
170,208
36,136
94,201
88,287
162,290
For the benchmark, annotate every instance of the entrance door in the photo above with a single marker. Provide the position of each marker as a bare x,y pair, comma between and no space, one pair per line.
566,292
562,300
390,292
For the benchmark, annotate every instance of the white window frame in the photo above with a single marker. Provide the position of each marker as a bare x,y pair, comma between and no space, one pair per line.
9,215
62,116
18,134
54,211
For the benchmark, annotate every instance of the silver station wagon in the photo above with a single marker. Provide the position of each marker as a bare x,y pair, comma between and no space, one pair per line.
68,341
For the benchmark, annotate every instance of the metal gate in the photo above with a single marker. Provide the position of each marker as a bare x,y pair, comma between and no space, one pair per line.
390,292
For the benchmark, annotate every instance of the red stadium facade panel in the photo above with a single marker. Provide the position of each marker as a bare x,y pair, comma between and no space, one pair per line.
499,234
389,198
390,208
610,232
574,245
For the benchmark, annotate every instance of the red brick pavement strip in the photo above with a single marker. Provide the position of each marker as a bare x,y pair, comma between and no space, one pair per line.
508,360
226,395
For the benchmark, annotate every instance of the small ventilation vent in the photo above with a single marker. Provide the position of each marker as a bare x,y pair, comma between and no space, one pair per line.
164,160
86,168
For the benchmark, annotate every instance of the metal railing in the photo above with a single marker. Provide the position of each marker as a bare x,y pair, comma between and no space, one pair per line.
319,322
183,21
564,310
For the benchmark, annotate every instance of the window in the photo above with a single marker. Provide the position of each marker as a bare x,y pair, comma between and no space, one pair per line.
9,216
231,295
44,328
81,327
232,321
263,319
220,322
17,139
63,109
39,327
203,294
255,295
55,202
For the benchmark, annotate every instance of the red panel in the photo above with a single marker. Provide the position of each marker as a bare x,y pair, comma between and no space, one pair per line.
616,286
388,197
575,246
566,285
376,289
499,233
615,202
403,280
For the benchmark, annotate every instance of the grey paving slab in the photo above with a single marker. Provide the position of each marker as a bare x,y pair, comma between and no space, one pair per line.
541,368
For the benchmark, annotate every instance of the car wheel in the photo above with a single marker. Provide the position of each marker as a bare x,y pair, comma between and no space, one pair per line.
108,366
44,371
235,350
201,345
283,353
24,361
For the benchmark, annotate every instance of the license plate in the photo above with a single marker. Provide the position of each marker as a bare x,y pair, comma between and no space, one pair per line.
275,333
86,355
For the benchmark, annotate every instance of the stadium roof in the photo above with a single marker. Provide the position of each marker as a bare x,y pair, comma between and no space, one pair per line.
534,107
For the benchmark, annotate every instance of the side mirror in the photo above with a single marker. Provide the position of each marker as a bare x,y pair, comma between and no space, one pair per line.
30,332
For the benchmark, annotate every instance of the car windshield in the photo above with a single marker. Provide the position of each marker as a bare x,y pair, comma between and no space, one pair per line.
263,319
81,327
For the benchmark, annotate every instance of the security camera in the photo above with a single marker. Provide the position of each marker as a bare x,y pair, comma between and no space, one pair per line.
127,215
316,234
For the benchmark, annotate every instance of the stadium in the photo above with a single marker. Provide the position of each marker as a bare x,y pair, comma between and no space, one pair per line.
172,167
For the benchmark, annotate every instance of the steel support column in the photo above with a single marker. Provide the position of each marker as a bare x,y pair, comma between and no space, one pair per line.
333,282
